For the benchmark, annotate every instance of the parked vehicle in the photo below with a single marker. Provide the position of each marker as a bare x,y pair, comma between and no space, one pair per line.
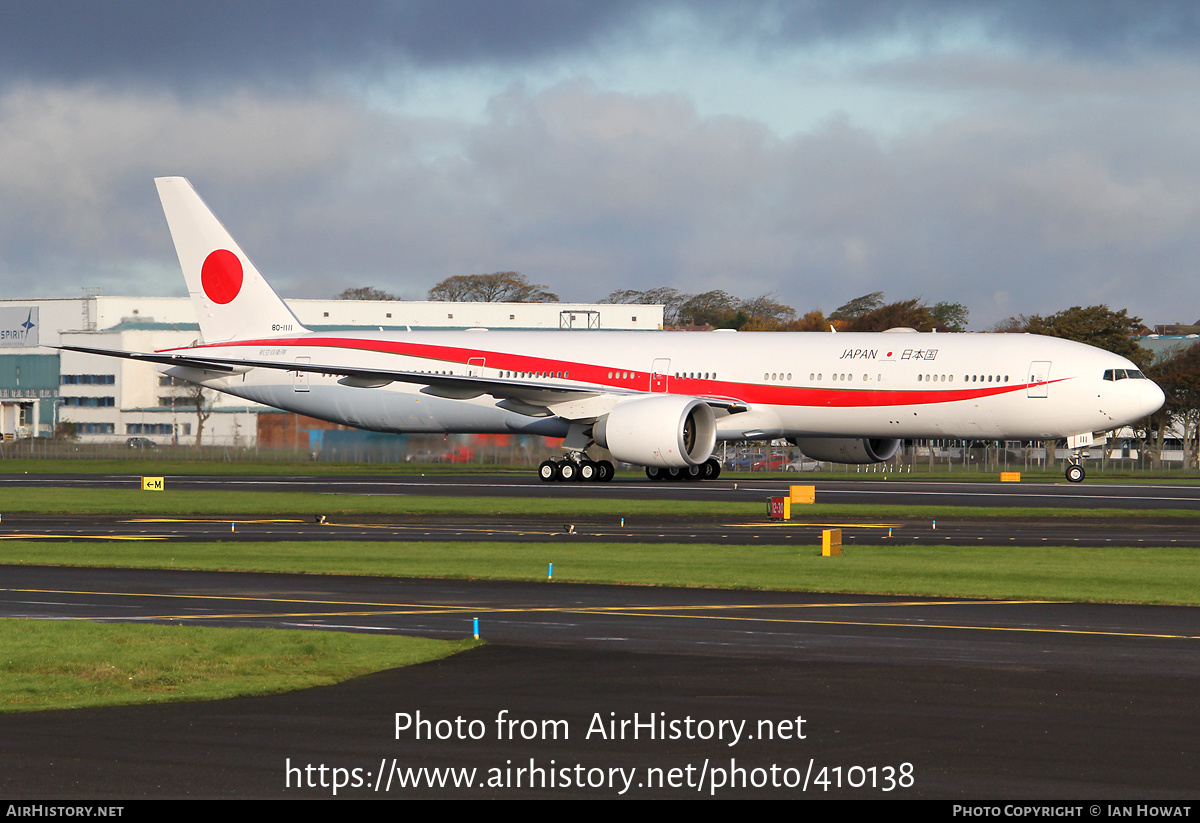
804,464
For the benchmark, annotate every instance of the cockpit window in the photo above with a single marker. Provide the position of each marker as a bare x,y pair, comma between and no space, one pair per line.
1121,374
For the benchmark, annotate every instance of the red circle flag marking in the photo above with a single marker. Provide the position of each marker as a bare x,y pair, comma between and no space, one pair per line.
221,276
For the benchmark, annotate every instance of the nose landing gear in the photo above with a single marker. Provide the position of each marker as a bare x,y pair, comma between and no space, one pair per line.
1075,472
1078,445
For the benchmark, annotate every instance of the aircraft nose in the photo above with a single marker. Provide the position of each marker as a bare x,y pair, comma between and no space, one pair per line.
1150,398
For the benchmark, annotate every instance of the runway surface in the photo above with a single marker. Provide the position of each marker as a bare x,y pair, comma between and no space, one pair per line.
899,697
1145,532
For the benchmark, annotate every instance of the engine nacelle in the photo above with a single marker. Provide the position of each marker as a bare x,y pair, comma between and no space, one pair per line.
848,450
666,430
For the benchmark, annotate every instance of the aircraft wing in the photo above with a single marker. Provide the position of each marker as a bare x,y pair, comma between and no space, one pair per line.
534,398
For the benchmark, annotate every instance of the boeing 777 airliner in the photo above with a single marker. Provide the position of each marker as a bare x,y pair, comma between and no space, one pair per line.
660,400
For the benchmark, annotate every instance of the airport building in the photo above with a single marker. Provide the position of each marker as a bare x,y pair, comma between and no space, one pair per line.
108,400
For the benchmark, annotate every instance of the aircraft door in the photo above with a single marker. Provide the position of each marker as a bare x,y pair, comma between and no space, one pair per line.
300,383
475,366
658,374
1039,377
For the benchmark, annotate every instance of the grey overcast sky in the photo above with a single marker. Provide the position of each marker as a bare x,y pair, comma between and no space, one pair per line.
1018,157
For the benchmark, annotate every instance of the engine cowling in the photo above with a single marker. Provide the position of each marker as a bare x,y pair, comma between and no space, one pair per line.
667,430
848,450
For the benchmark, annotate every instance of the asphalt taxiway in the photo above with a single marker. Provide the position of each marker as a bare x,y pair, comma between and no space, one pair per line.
1144,532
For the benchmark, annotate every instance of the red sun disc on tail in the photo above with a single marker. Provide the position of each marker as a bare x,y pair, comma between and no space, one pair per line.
221,276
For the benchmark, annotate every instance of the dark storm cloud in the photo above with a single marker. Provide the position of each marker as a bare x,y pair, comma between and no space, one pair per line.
1096,27
298,41
292,41
1012,202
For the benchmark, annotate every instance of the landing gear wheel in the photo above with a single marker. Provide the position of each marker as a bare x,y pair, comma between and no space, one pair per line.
548,471
693,473
605,471
1075,473
587,471
675,474
567,471
712,468
655,473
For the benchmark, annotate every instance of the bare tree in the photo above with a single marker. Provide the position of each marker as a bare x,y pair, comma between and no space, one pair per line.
498,287
672,300
711,308
767,313
858,307
198,400
366,293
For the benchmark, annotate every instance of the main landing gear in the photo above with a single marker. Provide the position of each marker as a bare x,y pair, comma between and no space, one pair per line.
581,467
708,470
576,467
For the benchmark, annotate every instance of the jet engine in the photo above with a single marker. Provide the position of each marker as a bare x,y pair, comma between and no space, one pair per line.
667,430
848,450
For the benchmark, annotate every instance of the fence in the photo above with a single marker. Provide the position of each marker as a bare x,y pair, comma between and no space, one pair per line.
483,450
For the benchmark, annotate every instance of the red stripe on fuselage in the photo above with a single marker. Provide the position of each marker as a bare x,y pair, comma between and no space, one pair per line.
637,380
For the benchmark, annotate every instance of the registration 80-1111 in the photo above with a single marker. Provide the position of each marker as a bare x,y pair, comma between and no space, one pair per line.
885,778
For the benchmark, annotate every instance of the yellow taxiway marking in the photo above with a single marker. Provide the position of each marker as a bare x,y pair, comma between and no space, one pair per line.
448,527
453,530
201,520
382,526
417,608
399,609
84,536
624,611
779,523
255,598
273,615
905,624
599,609
827,605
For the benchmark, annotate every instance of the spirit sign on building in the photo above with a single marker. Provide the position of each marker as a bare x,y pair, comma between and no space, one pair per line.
19,327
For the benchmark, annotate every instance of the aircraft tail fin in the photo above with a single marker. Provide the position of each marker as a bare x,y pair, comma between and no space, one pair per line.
232,299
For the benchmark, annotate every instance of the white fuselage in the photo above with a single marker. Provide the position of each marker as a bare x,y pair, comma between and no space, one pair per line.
877,385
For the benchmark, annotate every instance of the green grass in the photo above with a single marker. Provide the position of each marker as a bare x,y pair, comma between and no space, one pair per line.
1028,573
232,504
69,664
